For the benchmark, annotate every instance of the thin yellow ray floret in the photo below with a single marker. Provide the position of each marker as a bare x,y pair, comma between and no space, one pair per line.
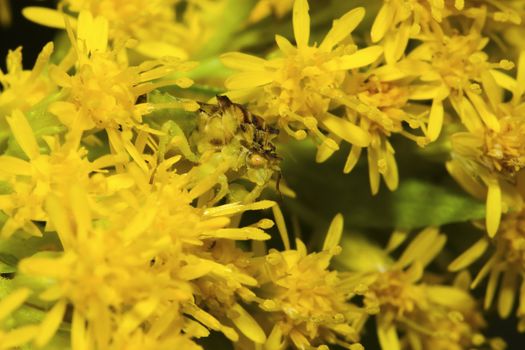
301,23
13,301
23,134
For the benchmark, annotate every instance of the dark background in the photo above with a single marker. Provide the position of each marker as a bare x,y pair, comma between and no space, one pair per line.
32,37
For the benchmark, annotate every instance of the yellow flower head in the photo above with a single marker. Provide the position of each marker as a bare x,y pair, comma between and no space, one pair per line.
33,180
308,302
296,90
23,89
138,271
507,261
104,91
489,157
433,316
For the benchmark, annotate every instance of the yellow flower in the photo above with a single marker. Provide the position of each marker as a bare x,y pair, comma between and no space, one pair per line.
14,338
300,90
103,92
398,21
382,108
411,313
487,161
23,89
43,174
306,303
507,261
143,279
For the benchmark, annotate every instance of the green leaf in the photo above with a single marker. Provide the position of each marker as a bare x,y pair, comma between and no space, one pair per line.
426,194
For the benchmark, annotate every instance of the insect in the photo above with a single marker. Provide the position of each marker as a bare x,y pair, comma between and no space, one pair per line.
228,135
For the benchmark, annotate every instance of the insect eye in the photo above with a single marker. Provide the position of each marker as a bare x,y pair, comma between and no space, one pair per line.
257,161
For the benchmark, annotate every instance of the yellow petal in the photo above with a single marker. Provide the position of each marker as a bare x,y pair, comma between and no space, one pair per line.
85,26
247,325
301,23
435,120
395,43
275,339
485,114
507,293
467,113
373,170
342,27
281,226
349,132
451,297
159,49
492,285
352,159
520,76
246,80
426,91
391,175
235,208
50,324
81,212
487,267
492,90
466,181
335,232
59,217
47,17
244,233
17,337
325,150
503,80
98,38
382,22
13,165
242,61
140,312
284,45
469,256
493,216
23,134
419,246
361,58
386,332
79,339
13,301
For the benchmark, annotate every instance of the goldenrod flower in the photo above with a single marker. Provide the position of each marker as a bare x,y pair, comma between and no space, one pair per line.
488,159
398,21
141,279
43,174
296,89
507,261
306,302
413,314
299,90
103,91
23,89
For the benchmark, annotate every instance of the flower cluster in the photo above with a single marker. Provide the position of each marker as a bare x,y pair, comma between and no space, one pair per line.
154,193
